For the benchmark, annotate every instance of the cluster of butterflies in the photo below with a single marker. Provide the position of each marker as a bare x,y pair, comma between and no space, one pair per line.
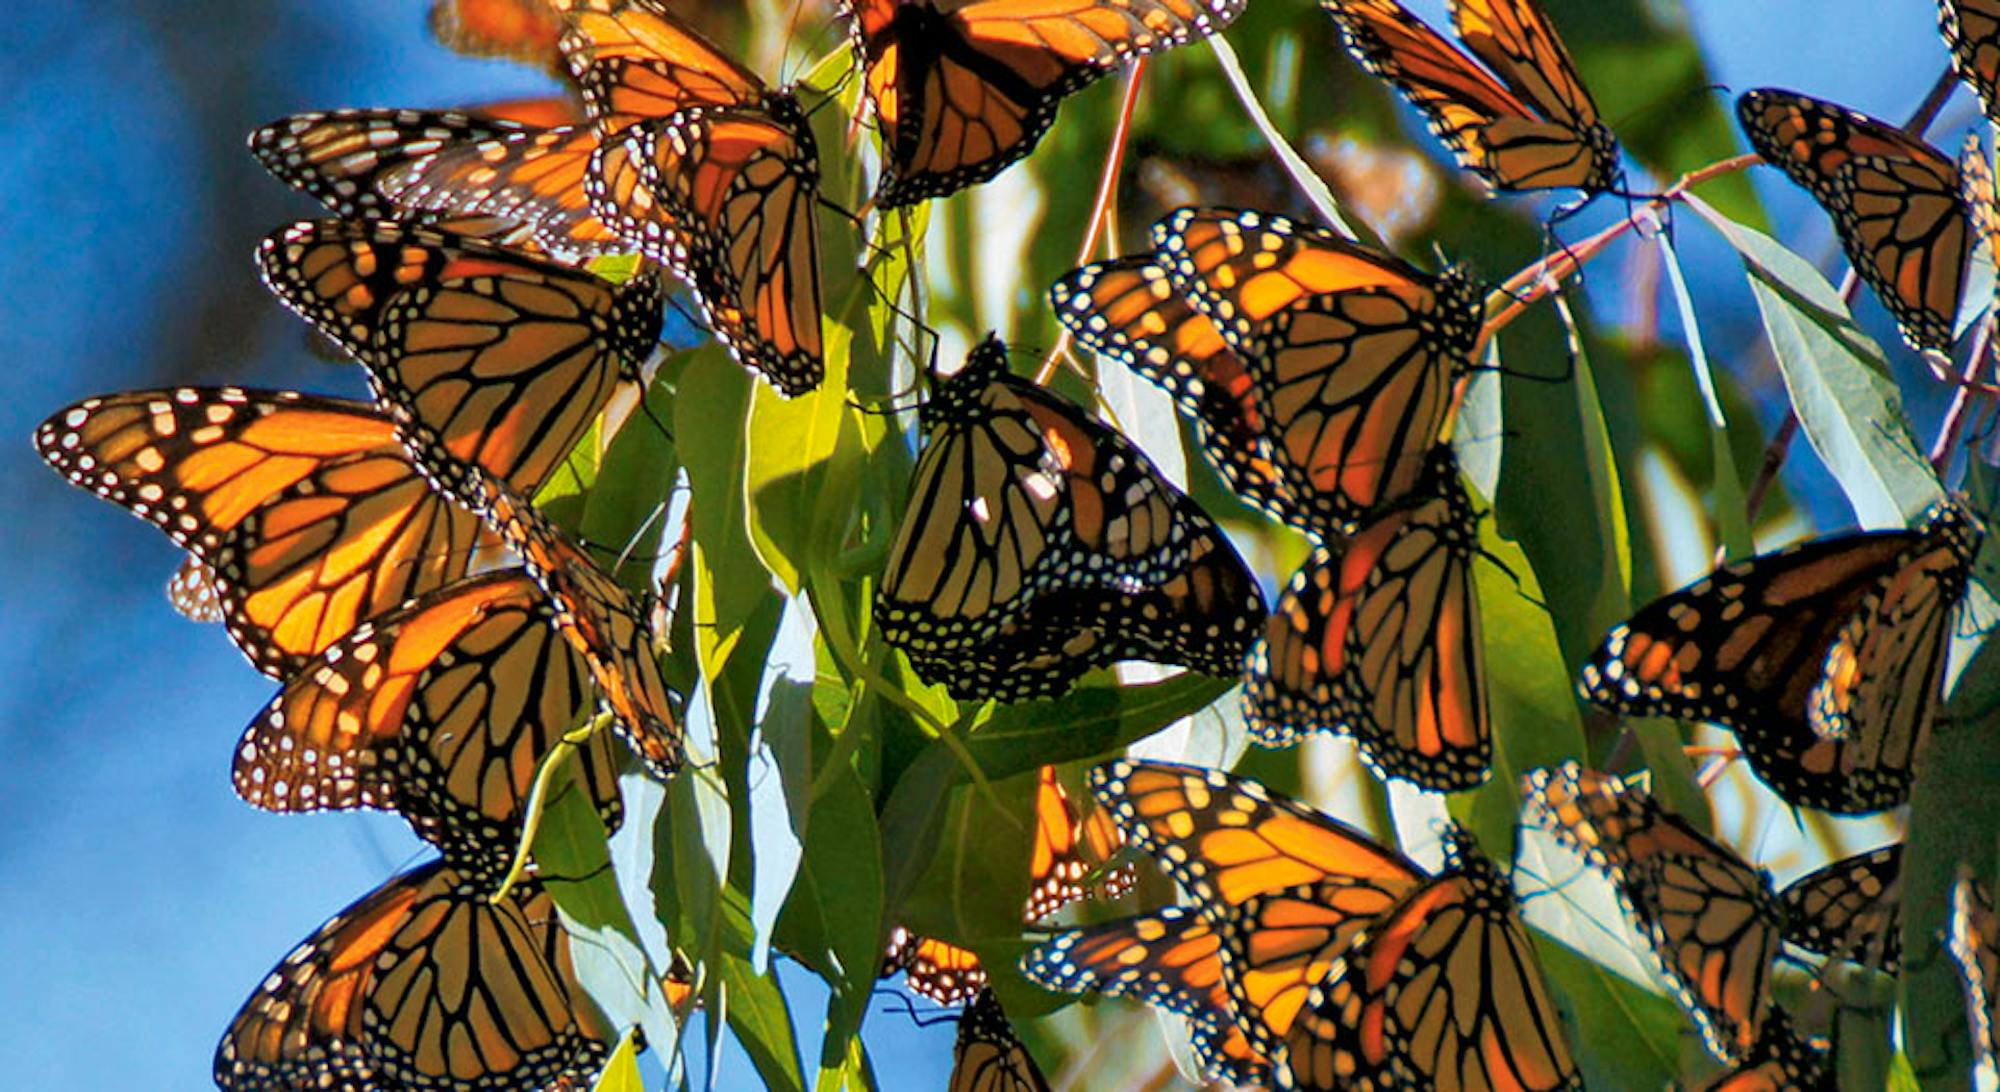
350,549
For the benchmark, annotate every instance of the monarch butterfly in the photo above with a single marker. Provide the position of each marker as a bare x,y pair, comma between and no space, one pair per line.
1851,909
1824,658
709,172
305,511
1973,939
1709,918
988,1056
1067,848
440,710
526,31
1534,127
421,983
501,358
1129,309
1171,959
1972,30
1894,200
599,618
1380,639
962,90
1039,543
1780,1062
945,973
1353,353
1347,964
514,184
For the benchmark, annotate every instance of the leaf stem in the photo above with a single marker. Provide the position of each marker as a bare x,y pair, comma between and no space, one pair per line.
1102,209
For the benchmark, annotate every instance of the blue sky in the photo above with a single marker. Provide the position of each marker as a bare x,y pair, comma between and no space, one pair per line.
145,901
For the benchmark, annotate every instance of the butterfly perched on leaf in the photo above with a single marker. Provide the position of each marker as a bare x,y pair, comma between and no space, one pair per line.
1973,939
1781,1061
1170,959
1352,354
1067,849
1518,117
1824,658
988,1056
441,710
1379,638
1895,202
422,983
1039,543
303,512
511,183
1709,918
1346,963
939,970
708,171
963,89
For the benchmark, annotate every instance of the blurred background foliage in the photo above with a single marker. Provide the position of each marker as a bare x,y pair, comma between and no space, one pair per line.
841,795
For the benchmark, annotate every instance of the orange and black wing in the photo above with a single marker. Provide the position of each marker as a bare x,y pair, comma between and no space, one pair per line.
1894,200
1287,887
497,357
526,31
1067,849
1781,1061
441,710
1129,309
1709,917
1851,909
423,983
1972,30
192,591
633,60
600,619
1442,992
728,197
306,512
1973,939
1171,959
1824,658
962,89
1039,543
1534,127
1354,354
943,972
989,1056
1381,640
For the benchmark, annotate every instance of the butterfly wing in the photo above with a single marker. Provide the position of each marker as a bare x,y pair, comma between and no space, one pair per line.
525,31
1442,991
421,983
1066,848
1354,353
1171,959
633,60
1781,1062
192,591
988,1056
945,973
533,179
1972,30
729,199
1850,909
1973,939
1511,138
1130,310
1894,200
338,157
963,90
305,509
1709,917
441,710
1382,641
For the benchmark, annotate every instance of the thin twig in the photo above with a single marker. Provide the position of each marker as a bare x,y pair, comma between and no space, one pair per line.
1107,191
1954,417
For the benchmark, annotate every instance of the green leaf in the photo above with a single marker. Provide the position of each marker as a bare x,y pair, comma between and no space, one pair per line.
757,1013
625,512
837,902
1625,1036
1952,822
794,494
1088,722
711,418
1837,379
